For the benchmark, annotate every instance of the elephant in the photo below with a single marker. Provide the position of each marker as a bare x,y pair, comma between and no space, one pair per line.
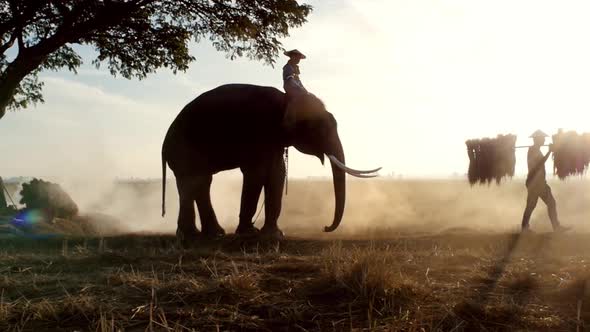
247,127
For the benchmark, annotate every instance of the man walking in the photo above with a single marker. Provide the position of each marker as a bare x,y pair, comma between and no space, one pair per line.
536,183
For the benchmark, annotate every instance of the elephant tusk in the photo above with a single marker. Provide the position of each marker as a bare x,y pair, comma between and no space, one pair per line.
366,176
349,170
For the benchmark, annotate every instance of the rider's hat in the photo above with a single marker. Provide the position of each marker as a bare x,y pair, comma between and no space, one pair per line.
294,53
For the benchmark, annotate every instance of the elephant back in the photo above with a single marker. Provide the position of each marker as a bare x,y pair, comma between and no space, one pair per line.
233,107
233,117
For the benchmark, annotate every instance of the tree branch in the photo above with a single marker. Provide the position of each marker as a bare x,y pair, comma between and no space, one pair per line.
8,44
19,25
135,37
19,38
61,8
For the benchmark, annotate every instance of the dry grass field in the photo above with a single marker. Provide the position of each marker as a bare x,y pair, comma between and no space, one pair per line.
410,256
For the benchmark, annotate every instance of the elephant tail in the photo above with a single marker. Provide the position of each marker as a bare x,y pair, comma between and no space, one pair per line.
163,185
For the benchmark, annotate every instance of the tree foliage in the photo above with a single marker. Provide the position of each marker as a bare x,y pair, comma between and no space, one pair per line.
133,38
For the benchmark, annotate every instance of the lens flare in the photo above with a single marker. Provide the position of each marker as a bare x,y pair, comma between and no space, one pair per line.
27,218
25,221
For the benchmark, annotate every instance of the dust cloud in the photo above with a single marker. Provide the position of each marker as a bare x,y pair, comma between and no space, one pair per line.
372,207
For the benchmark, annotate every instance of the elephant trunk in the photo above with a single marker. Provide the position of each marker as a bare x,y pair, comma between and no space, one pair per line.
339,178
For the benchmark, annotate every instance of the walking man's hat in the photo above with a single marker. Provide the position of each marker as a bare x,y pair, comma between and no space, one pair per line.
538,133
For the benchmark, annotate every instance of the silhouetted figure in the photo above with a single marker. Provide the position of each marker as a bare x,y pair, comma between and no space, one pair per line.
536,183
291,82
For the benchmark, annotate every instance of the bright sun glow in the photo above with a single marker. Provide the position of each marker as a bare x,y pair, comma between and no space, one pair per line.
408,81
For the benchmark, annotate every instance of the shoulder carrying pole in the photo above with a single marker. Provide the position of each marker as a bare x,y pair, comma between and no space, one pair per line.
528,146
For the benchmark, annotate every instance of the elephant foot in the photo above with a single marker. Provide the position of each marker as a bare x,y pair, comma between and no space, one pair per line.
213,235
186,237
272,232
213,232
246,229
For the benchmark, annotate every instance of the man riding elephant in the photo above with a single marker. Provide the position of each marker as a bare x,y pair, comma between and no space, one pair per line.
291,81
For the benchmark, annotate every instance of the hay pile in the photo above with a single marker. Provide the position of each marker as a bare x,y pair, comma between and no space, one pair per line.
49,211
571,153
491,158
49,198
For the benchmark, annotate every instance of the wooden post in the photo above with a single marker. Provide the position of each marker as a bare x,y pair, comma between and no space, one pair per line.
101,246
3,204
64,247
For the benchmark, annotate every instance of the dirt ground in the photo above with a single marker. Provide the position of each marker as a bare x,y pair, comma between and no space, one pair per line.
457,280
410,255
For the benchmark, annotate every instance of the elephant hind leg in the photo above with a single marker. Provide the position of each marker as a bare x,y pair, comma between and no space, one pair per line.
186,228
209,224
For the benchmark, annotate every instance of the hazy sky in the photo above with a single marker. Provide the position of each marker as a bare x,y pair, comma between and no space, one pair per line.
408,81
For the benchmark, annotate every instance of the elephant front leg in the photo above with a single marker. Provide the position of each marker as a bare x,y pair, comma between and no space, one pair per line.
251,190
273,195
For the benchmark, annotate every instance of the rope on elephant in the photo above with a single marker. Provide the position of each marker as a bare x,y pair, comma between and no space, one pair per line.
259,212
286,160
286,157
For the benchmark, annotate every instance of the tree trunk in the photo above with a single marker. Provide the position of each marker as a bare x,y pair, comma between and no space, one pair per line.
13,75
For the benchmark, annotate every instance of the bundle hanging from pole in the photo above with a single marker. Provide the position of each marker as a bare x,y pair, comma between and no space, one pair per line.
494,158
491,159
571,153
